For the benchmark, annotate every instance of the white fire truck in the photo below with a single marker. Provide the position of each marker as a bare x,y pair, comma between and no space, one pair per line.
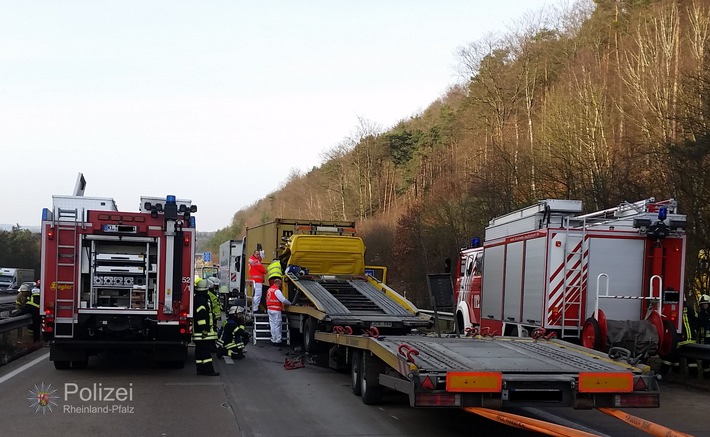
606,278
117,280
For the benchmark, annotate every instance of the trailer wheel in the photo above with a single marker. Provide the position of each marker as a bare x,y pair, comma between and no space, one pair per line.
592,334
310,344
371,390
356,371
62,365
668,346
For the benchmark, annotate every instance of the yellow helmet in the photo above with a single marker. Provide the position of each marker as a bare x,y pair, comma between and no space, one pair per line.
202,285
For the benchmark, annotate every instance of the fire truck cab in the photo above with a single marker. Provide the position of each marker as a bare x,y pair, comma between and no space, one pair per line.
585,277
117,280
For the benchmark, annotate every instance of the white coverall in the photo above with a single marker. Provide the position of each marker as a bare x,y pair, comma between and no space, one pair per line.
275,318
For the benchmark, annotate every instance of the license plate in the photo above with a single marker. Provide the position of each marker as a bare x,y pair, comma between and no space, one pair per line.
382,324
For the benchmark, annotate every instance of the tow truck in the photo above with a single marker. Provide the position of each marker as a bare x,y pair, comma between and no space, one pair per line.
381,338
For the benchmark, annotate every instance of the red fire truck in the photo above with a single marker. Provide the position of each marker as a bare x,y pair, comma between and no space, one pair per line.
586,277
117,280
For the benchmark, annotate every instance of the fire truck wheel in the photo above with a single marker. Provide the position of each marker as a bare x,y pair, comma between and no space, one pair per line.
62,365
670,340
592,334
371,390
356,371
459,323
81,364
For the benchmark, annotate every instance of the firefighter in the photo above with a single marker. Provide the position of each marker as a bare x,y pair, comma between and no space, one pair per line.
275,302
274,270
256,274
213,293
31,307
704,328
689,335
204,334
23,293
233,337
701,283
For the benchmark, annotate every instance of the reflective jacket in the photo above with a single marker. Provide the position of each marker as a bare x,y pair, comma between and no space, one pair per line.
216,306
233,337
256,270
34,299
272,301
21,299
203,321
274,270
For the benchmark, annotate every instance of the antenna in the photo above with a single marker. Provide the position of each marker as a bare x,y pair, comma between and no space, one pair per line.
80,185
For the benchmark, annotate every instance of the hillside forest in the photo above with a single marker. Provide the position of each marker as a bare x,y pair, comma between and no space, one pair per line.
605,101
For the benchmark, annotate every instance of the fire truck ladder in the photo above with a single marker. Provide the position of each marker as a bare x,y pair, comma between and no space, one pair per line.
574,270
66,223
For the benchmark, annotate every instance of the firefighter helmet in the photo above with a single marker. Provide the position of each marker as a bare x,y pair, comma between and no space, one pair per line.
202,285
213,282
704,299
23,288
235,311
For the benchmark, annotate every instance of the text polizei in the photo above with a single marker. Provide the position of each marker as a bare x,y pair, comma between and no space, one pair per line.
98,393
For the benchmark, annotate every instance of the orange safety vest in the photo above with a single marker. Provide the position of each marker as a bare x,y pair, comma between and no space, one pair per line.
273,302
256,270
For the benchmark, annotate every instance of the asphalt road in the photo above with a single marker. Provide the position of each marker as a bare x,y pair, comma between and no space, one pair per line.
257,396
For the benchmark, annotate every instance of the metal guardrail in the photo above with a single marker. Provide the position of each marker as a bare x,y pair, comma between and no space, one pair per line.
6,309
15,323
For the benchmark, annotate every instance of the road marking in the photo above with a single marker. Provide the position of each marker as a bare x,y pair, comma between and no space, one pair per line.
228,360
23,368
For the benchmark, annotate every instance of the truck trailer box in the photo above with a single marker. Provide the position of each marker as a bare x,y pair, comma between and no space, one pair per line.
272,237
231,256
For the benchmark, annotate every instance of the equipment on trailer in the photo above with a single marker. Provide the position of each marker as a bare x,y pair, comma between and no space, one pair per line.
609,278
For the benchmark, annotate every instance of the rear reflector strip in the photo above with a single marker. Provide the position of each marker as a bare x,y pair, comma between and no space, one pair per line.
637,401
613,382
437,400
480,382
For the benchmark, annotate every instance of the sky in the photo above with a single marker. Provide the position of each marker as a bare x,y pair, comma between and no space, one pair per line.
214,101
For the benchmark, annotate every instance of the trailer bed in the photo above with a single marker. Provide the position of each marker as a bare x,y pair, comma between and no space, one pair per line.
497,372
352,302
505,355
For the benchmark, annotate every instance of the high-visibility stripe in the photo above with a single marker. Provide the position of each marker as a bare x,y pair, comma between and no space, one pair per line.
272,302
